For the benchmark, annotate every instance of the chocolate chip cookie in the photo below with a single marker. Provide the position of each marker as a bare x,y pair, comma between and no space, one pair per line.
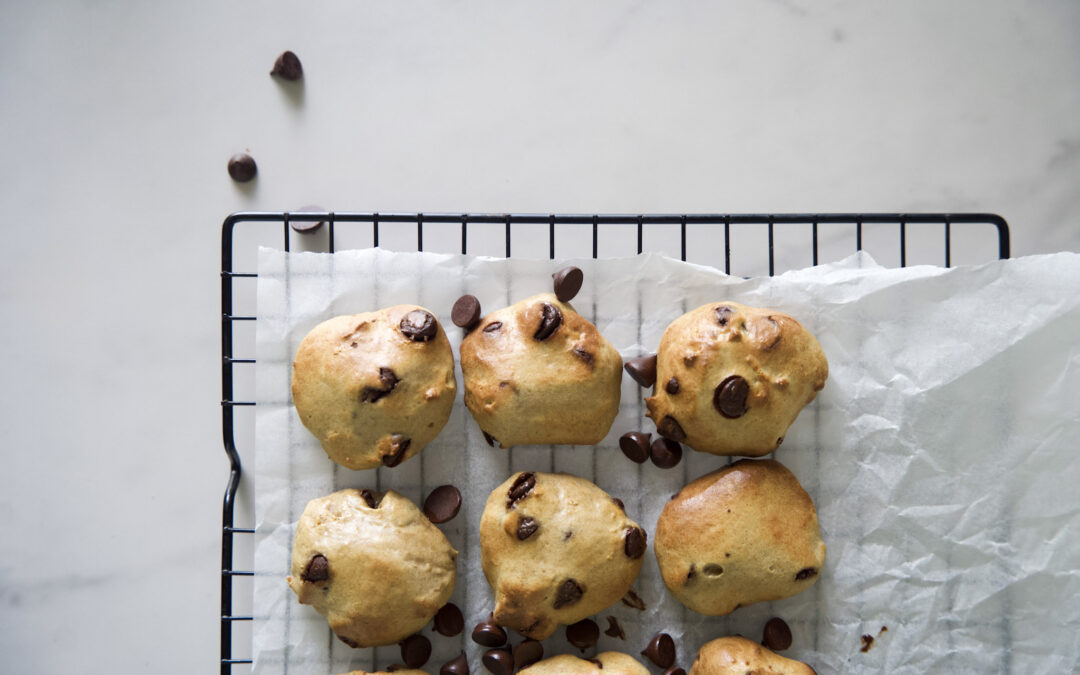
375,388
731,379
372,564
556,549
744,534
604,663
538,372
736,655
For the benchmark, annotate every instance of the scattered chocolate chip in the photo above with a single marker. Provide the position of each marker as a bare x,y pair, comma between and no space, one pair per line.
661,650
614,629
550,320
466,311
634,542
619,503
729,399
415,650
867,643
369,498
635,445
449,621
318,569
526,528
459,665
521,488
527,653
493,326
499,661
632,601
665,453
442,504
567,283
672,386
583,355
242,168
674,670
568,594
691,573
306,226
642,370
805,573
489,438
351,643
488,634
723,314
387,381
777,634
419,326
669,427
399,445
287,67
583,634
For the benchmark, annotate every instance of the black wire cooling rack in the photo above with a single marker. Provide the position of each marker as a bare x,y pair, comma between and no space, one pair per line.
771,234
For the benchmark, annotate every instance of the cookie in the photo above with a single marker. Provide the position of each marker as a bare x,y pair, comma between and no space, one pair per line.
736,655
556,549
539,373
605,663
731,379
375,567
375,388
744,534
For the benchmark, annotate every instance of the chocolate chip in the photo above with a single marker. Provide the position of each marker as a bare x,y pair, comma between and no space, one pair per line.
306,226
779,441
567,283
369,498
729,399
635,445
351,643
568,594
318,569
614,629
459,665
672,386
777,634
242,168
449,620
419,326
669,427
596,662
489,439
583,634
691,573
805,573
287,67
642,370
566,535
867,643
583,355
665,453
527,653
521,488
674,670
493,326
415,650
550,320
632,601
442,504
499,661
466,311
723,314
526,528
634,542
661,650
488,634
399,445
618,502
387,381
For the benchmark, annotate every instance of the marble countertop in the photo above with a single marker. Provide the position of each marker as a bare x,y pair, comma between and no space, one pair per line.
119,119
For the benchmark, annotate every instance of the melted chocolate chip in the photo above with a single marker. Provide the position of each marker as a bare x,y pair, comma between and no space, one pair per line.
635,445
777,634
665,453
526,528
489,438
642,370
634,542
369,498
550,320
521,488
466,311
672,386
569,593
805,573
661,650
499,661
399,445
583,355
583,634
567,283
723,314
527,653
318,569
493,326
419,326
614,629
242,168
669,427
387,381
867,643
287,67
459,665
632,601
619,503
729,399
691,573
449,620
442,504
488,633
415,651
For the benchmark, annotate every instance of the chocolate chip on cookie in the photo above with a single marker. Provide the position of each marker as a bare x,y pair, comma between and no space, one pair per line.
730,396
419,326
550,320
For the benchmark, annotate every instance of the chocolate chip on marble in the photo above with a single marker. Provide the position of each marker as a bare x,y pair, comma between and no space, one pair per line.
489,634
449,620
583,634
672,386
583,355
633,601
459,665
493,326
661,650
550,320
805,573
466,311
318,569
729,399
614,629
399,445
242,167
287,67
777,634
306,226
527,653
723,314
442,504
419,326
665,453
415,650
520,488
642,369
567,283
526,528
634,542
669,427
370,498
499,661
569,593
387,381
635,445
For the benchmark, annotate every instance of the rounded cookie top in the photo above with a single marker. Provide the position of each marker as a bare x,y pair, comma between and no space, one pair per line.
735,655
604,663
376,568
730,379
537,372
744,534
375,388
556,549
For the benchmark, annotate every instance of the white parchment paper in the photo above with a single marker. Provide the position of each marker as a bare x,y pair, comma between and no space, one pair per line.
942,454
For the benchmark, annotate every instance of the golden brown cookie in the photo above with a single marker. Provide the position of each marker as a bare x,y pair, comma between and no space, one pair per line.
736,655
744,534
537,372
375,567
556,549
375,388
610,663
731,379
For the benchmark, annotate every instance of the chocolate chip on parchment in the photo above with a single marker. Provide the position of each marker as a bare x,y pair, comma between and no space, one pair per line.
642,369
661,650
777,634
583,634
520,488
672,386
459,665
242,167
527,652
399,445
466,311
550,320
318,569
449,620
723,314
729,399
805,573
387,381
493,326
569,593
635,445
526,528
488,633
633,601
614,629
665,453
306,226
669,427
499,661
567,283
419,326
442,504
287,67
369,498
415,650
634,542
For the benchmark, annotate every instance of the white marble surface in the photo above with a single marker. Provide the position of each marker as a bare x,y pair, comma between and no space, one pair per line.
118,119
